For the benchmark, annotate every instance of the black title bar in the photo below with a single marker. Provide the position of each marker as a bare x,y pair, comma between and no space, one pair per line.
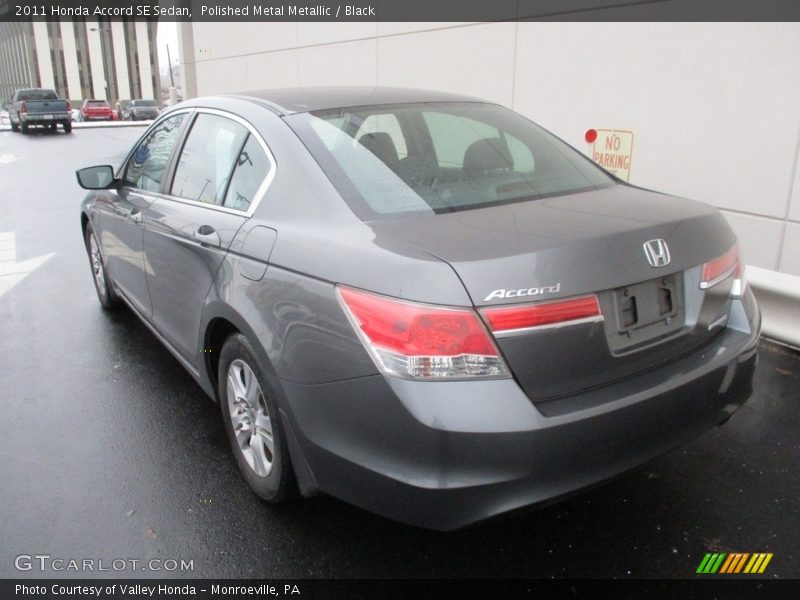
402,10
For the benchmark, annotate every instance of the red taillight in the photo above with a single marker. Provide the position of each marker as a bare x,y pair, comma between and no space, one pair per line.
69,106
419,340
724,266
508,318
718,269
22,107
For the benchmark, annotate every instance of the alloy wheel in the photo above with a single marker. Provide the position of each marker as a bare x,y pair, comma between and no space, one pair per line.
250,418
97,265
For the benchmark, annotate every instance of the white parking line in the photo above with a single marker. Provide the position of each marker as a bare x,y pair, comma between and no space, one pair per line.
7,159
11,271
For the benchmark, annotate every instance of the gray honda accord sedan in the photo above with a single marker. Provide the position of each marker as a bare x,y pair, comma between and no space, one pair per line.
421,303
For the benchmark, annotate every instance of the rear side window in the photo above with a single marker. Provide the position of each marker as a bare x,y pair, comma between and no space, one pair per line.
252,167
146,166
207,159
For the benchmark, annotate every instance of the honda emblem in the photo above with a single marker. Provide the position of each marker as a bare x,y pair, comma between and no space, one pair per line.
657,253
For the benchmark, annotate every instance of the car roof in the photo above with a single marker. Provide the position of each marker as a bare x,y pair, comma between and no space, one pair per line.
307,99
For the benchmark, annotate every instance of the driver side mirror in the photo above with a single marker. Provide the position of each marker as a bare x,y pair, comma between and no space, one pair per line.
96,178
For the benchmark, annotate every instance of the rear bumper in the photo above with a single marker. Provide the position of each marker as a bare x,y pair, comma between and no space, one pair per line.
39,119
447,454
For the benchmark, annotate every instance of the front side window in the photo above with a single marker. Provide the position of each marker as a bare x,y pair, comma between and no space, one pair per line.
146,166
440,157
207,159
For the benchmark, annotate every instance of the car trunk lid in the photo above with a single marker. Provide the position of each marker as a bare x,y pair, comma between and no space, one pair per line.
590,243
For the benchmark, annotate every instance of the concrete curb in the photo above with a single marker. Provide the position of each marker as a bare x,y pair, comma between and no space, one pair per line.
778,295
97,124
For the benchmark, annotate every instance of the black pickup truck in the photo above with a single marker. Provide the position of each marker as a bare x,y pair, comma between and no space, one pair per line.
37,107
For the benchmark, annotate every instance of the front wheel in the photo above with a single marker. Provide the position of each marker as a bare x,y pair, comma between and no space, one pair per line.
105,292
253,424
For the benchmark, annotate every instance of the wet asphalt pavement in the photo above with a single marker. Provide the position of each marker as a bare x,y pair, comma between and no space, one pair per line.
110,450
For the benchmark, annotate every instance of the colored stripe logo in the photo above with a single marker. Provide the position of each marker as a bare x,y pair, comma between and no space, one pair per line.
734,562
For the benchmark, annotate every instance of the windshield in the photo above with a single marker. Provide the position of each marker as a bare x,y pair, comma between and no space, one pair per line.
29,95
97,103
395,160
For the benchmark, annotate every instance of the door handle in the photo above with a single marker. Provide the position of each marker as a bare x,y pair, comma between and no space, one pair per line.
207,235
136,216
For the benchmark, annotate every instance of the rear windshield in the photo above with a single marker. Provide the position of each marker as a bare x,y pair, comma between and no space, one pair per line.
29,95
396,160
96,103
143,103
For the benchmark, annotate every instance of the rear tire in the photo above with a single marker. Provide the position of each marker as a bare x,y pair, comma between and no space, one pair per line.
253,423
105,291
67,127
15,127
24,127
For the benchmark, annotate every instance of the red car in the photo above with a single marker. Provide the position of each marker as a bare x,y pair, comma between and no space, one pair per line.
96,110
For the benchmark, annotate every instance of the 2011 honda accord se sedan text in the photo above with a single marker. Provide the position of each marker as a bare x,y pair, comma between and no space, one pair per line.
420,303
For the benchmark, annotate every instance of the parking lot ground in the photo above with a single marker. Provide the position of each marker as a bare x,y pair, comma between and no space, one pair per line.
110,450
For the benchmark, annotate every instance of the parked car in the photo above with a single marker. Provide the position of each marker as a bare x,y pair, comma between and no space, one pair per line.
39,107
122,109
96,110
76,114
420,303
140,110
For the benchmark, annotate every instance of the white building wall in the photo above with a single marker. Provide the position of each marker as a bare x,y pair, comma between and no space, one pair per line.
71,60
45,65
715,107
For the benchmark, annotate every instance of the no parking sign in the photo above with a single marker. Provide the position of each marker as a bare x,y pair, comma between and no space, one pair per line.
612,150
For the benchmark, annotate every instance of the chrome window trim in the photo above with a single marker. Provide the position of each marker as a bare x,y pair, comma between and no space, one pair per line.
262,188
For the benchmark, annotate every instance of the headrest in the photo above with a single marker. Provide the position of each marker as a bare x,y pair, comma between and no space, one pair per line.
381,145
486,155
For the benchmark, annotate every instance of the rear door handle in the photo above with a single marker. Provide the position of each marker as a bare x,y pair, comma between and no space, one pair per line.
136,216
207,235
